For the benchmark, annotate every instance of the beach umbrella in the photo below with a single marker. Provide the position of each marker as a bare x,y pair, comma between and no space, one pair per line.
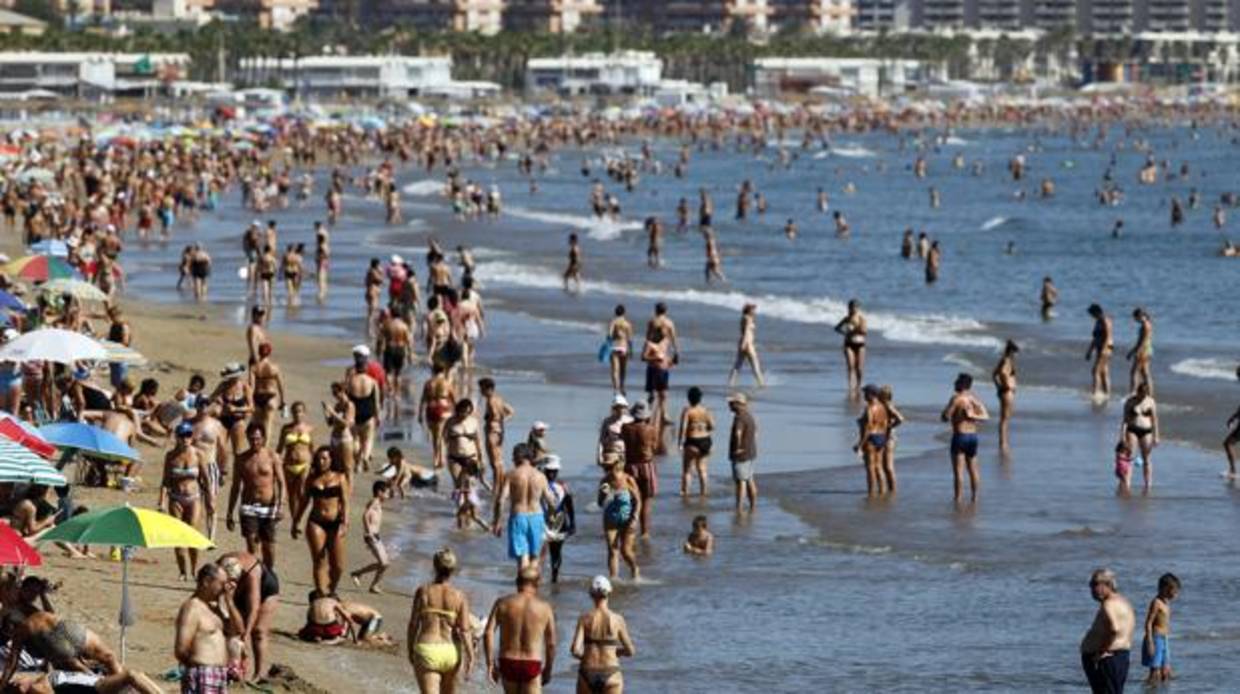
120,354
54,247
15,551
20,464
127,527
88,439
82,291
10,302
24,434
53,344
37,174
39,268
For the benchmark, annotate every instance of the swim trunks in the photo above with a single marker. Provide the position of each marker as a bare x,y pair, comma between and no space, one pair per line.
519,670
657,380
742,471
1108,674
204,679
1161,657
877,440
525,534
964,443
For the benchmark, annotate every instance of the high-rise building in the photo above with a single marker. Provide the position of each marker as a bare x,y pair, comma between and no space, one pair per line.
1049,15
270,14
997,14
690,16
941,14
1166,15
1211,15
814,16
1112,17
554,16
883,15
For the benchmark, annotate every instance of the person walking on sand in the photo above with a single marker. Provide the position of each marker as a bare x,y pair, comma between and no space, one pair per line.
1106,646
1004,378
964,410
258,482
599,641
204,624
572,274
852,327
186,489
747,346
1142,351
524,657
440,636
526,490
743,450
696,425
1101,345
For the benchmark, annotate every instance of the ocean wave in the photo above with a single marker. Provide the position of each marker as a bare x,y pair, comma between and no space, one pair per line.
425,187
595,228
993,222
915,328
1212,369
850,152
956,141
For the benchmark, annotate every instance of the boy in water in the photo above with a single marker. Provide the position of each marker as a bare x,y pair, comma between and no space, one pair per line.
402,471
701,542
1155,650
372,519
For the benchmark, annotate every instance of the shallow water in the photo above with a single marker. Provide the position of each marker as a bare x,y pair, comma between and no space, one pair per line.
821,590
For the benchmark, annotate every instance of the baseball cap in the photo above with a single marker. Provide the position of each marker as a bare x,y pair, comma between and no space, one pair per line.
361,351
600,586
552,462
10,334
396,259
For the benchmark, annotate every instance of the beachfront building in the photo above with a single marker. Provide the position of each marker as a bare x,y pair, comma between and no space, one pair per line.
997,14
1111,17
268,14
691,16
551,16
90,75
940,14
872,77
330,77
481,16
1049,15
629,72
14,23
883,15
1166,15
813,16
1212,16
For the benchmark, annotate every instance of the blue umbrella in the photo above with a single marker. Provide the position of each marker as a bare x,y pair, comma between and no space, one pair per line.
89,439
8,301
54,247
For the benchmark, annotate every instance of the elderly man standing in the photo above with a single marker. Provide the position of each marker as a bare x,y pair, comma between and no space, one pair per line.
1104,650
743,449
204,625
526,624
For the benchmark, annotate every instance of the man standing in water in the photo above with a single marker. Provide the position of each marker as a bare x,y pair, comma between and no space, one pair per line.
641,443
525,487
1105,648
526,625
743,449
964,411
1142,351
1050,296
1100,348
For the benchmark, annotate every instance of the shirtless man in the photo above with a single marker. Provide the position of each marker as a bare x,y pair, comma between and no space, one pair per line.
1049,297
1100,348
572,274
71,650
747,346
641,442
184,486
714,262
654,243
1004,378
525,488
873,427
396,346
367,400
526,624
620,339
258,483
124,426
497,413
199,270
1104,650
204,624
1142,351
964,410
934,257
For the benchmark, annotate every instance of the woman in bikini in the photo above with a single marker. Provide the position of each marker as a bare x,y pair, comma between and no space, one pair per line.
267,265
296,449
600,640
434,408
621,500
1142,352
340,418
1004,378
853,328
268,386
696,425
374,288
326,496
1140,428
185,478
291,267
440,633
236,404
463,438
498,411
620,338
747,346
894,419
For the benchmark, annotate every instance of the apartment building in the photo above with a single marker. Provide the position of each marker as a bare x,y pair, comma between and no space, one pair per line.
813,16
553,16
883,15
941,14
482,16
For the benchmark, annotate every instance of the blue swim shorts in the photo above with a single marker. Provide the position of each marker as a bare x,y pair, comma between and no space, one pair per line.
525,535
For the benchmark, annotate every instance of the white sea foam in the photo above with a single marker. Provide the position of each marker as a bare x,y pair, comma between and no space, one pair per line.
993,222
426,187
917,328
856,152
595,228
1213,369
956,141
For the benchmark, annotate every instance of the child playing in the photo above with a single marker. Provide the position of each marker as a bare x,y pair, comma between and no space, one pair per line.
372,519
1155,650
701,542
467,502
398,470
1123,468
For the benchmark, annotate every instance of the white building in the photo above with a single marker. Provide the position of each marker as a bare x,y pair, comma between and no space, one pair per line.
333,76
630,72
90,75
871,77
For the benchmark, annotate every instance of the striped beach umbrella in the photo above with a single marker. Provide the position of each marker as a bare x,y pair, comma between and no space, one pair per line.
20,464
25,434
39,268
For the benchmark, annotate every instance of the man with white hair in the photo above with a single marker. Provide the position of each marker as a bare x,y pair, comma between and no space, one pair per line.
1104,650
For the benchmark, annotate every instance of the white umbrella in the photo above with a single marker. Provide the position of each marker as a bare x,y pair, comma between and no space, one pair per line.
19,464
53,344
78,289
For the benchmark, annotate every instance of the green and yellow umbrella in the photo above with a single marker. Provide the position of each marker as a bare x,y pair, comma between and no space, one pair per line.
127,527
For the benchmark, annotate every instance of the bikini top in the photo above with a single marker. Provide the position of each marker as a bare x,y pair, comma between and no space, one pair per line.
293,438
333,492
184,472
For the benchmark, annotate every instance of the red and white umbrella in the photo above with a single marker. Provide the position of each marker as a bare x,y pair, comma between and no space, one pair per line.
22,433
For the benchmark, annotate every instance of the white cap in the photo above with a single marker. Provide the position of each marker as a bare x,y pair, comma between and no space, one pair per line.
551,462
540,425
361,351
620,401
10,334
600,586
396,259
